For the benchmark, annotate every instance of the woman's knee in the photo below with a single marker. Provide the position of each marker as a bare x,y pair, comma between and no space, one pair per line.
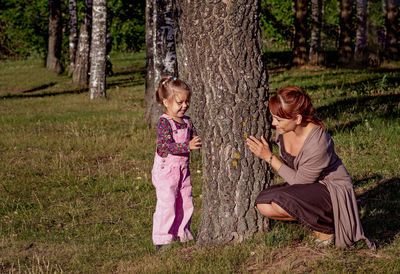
265,209
274,211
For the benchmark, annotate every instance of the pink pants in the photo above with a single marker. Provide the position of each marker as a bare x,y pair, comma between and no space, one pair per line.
174,209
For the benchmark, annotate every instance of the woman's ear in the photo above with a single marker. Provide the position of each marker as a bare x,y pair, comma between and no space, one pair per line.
299,119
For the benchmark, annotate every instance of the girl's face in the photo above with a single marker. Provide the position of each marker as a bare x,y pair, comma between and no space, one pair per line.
177,105
284,125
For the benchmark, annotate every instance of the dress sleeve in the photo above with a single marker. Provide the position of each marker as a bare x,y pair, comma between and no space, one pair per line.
166,143
314,160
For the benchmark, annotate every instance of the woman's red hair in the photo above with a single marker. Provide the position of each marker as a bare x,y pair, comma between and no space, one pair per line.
290,101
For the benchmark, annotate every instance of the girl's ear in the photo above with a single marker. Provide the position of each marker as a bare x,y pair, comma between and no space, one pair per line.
299,119
165,103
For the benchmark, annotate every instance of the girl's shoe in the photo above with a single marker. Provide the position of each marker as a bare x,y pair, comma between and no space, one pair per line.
162,247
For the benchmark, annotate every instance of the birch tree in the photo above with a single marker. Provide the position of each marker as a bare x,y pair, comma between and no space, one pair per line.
97,87
73,34
55,37
220,56
160,52
81,69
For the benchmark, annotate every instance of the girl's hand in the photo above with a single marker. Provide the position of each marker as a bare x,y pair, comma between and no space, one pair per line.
259,148
195,143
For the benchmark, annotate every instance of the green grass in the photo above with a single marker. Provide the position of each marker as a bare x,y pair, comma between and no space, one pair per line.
75,183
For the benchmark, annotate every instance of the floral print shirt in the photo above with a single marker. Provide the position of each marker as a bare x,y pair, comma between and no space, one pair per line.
166,143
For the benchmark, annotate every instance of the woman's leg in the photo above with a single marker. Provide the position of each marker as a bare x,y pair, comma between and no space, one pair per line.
274,211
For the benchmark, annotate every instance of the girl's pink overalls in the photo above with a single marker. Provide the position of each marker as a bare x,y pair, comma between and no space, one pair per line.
171,178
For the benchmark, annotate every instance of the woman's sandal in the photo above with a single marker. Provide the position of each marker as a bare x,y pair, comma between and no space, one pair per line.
323,240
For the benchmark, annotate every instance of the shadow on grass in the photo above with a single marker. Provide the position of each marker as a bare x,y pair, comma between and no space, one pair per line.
384,106
382,209
141,71
363,86
126,78
39,88
40,95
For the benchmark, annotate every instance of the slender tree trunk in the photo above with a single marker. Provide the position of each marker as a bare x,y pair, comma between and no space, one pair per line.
55,37
316,53
151,85
360,51
392,29
346,32
373,50
82,66
160,52
97,87
73,34
300,50
220,55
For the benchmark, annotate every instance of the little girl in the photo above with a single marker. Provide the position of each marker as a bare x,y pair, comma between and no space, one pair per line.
176,137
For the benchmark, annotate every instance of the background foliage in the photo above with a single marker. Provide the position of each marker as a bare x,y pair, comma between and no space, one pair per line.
23,25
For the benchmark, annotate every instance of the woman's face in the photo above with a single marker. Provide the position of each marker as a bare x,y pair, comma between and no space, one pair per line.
284,125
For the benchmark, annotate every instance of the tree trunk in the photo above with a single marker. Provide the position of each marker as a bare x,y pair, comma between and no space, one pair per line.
346,32
73,34
160,52
373,49
300,50
81,71
97,87
360,51
316,53
55,37
151,105
392,29
220,56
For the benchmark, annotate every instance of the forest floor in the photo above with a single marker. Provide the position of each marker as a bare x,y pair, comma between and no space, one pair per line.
75,176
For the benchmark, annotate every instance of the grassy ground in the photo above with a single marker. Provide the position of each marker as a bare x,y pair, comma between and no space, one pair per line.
76,193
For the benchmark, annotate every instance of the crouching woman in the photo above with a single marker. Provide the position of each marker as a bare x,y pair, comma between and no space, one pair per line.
318,191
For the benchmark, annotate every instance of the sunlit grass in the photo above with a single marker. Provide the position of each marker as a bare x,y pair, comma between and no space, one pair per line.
75,183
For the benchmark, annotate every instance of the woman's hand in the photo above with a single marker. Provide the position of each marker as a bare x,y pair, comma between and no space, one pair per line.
195,143
259,148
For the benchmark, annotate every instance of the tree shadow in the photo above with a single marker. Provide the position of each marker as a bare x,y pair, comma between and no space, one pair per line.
362,86
40,87
125,82
41,95
130,71
384,106
381,208
126,78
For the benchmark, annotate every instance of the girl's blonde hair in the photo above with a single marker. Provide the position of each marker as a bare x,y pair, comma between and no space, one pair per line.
168,86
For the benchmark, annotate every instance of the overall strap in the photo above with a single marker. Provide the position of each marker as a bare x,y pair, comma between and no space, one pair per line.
171,121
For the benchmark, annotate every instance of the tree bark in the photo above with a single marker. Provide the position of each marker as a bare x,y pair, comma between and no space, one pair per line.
360,51
316,53
73,34
82,66
392,29
220,56
97,87
300,50
55,37
160,52
346,32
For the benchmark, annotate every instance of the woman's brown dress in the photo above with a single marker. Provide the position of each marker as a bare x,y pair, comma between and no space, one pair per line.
318,190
